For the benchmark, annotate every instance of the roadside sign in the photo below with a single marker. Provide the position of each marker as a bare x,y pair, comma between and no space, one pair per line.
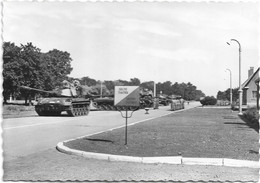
127,96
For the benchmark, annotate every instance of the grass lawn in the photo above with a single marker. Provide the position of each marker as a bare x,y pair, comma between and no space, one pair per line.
198,132
16,110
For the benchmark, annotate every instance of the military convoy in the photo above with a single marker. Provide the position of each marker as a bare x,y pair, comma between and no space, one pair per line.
106,103
69,98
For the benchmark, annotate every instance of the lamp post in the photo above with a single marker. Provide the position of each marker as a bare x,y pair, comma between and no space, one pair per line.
101,89
230,86
154,89
257,94
240,88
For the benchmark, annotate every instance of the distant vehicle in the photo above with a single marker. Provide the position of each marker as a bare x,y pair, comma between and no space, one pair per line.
177,102
146,98
164,100
106,103
66,99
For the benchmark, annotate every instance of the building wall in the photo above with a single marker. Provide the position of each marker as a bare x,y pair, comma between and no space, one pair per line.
251,92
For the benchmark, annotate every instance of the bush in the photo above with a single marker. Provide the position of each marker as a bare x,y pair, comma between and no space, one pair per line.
208,100
252,115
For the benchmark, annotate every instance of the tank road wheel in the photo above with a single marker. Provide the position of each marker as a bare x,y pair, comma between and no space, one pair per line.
99,107
103,107
114,108
110,107
80,111
119,108
77,112
84,111
87,109
106,108
72,112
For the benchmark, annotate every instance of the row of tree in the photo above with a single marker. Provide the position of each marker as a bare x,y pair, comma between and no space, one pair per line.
187,90
225,95
26,65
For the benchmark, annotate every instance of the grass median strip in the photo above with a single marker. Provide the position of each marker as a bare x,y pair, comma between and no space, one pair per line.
200,132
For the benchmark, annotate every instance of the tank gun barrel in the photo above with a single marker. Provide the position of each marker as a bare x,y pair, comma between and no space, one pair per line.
38,90
93,96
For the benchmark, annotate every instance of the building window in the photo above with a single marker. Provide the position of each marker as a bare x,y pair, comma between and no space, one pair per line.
254,94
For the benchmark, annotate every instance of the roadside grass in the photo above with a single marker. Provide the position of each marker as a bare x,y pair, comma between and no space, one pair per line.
199,132
17,110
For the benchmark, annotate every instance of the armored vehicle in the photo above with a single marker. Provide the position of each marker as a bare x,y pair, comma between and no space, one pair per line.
164,100
65,99
146,98
106,103
177,102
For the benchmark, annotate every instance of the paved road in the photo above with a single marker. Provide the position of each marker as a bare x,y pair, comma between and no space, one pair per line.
24,136
30,154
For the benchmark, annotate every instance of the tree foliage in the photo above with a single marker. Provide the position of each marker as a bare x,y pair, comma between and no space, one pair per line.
208,100
26,65
225,95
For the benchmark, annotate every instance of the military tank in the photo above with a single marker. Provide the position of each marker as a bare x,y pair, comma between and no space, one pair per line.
106,103
163,100
146,98
67,99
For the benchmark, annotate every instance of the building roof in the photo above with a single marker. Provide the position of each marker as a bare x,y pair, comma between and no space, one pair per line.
250,79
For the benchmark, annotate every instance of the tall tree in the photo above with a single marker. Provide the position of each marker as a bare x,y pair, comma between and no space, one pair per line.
57,65
27,65
134,82
88,81
11,69
148,85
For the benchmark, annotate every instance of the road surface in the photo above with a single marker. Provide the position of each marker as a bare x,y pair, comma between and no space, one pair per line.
28,135
30,154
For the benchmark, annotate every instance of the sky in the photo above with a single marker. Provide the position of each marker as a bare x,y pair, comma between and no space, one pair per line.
152,41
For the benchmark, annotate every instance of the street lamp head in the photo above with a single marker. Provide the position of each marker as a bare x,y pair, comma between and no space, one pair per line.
228,70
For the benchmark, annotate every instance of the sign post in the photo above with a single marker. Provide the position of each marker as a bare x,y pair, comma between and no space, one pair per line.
127,98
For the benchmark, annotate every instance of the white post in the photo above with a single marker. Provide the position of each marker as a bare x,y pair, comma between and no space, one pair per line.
240,87
230,87
101,89
154,89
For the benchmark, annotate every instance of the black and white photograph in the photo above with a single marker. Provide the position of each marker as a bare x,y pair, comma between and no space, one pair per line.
130,91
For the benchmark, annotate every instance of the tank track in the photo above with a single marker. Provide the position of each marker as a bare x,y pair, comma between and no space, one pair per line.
78,110
103,107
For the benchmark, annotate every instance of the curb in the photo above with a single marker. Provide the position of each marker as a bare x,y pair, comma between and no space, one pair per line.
179,160
203,161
